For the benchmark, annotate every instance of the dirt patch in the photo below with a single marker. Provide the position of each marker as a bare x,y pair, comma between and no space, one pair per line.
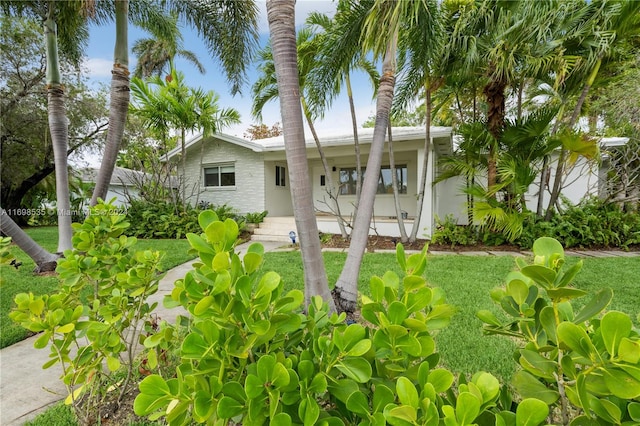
377,242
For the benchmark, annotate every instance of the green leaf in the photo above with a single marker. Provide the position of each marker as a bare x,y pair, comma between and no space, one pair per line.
401,416
199,243
576,338
407,392
418,300
596,305
528,386
467,408
488,317
519,290
540,274
634,411
565,293
413,282
397,312
113,364
252,262
531,412
360,348
537,364
355,368
629,351
281,419
202,306
309,411
194,347
547,247
358,403
215,232
621,384
568,276
377,289
382,395
221,261
488,385
441,379
614,326
206,217
269,282
401,258
548,322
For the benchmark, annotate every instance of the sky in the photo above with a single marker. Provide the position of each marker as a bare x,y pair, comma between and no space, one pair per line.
100,61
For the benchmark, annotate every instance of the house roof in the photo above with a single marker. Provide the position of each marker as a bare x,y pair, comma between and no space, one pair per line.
121,176
613,141
441,136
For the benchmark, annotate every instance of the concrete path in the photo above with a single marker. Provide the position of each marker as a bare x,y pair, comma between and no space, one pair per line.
26,389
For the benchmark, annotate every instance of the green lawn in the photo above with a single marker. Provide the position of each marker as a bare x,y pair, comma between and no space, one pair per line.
23,280
467,281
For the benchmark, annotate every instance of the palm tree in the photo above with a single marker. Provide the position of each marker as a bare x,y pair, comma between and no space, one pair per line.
229,31
281,17
324,94
44,260
157,54
265,89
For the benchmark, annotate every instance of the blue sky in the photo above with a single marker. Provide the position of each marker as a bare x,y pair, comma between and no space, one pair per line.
100,62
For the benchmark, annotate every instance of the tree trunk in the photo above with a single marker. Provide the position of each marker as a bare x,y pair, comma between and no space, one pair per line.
356,142
394,183
59,134
425,163
557,182
281,17
119,104
332,190
494,92
346,289
45,261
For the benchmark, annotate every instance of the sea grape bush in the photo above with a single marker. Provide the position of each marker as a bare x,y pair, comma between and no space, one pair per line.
252,355
585,366
92,324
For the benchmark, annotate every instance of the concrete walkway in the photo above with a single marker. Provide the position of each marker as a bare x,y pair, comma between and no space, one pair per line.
26,389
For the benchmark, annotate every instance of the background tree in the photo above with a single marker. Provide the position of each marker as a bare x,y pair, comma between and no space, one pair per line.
281,17
26,151
156,55
262,131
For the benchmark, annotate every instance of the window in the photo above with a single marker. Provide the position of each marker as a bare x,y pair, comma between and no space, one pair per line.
281,172
323,180
219,176
385,185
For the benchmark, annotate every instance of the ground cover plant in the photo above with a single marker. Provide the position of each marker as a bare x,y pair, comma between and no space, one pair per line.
22,279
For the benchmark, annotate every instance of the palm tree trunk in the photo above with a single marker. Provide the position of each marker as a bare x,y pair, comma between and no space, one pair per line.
394,183
281,17
59,134
332,191
183,152
346,289
356,142
119,103
425,163
557,182
494,92
45,261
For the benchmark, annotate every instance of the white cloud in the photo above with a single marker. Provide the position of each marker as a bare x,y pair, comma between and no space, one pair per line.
98,67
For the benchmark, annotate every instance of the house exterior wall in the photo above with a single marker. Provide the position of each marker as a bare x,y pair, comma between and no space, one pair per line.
248,194
278,198
581,180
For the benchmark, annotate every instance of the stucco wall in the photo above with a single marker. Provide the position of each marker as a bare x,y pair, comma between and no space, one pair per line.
247,196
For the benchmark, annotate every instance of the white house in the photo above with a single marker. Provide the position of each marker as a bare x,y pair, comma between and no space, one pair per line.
124,183
252,176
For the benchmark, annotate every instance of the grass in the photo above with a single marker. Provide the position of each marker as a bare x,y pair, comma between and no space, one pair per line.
467,281
22,280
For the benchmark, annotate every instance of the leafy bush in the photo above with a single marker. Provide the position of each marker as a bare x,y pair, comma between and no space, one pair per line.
448,232
256,217
253,356
86,332
591,223
585,367
165,220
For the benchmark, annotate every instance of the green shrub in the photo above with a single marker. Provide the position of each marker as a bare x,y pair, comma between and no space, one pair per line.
586,367
253,356
95,318
448,232
256,217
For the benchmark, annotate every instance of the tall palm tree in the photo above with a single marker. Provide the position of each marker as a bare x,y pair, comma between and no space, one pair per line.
324,70
281,17
229,29
72,35
157,53
265,89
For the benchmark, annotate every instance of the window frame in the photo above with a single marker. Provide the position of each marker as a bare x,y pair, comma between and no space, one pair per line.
281,176
220,175
348,187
